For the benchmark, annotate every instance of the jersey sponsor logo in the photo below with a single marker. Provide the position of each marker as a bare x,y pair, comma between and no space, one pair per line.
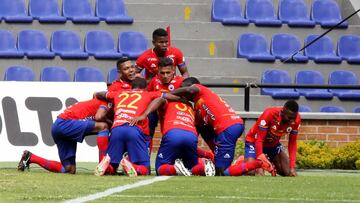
151,59
208,112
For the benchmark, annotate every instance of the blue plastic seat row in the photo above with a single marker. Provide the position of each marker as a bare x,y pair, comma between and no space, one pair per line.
338,77
77,11
59,74
254,47
328,109
67,44
292,12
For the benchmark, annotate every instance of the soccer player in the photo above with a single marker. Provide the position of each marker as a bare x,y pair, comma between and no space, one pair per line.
77,121
178,149
150,58
264,137
133,139
214,112
126,73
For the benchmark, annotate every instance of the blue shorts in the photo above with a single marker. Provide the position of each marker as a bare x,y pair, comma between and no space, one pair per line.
129,139
153,120
175,144
271,152
66,134
225,144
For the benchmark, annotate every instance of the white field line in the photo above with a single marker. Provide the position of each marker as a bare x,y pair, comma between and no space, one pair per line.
236,197
117,189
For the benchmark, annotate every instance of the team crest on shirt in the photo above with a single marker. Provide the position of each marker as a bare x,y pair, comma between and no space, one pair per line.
289,129
263,122
171,87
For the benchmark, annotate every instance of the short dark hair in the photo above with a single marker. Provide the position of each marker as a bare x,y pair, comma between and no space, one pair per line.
160,32
165,61
121,60
189,81
292,106
139,83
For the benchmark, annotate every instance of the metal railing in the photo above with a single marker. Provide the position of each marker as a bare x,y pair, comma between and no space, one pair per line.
248,86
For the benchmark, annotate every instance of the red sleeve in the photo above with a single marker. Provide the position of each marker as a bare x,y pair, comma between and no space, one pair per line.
110,95
261,134
263,127
179,57
154,95
150,86
140,62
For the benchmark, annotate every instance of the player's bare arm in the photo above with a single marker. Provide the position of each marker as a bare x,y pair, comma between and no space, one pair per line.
100,95
187,92
184,71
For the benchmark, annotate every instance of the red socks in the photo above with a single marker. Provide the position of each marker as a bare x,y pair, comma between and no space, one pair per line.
199,169
205,154
141,170
102,140
242,167
53,166
167,170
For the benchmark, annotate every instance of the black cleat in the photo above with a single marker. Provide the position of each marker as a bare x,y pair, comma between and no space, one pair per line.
24,161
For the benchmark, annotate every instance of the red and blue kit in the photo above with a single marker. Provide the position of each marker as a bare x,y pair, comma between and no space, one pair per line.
84,109
155,84
266,133
118,85
149,60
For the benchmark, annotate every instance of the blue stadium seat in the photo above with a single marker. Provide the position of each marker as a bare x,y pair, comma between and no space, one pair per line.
54,74
112,75
34,44
348,48
228,12
321,51
304,108
112,11
283,46
311,77
8,46
88,74
254,47
327,13
132,44
356,109
45,11
14,11
332,109
261,12
344,77
100,44
67,44
79,11
294,13
274,76
19,73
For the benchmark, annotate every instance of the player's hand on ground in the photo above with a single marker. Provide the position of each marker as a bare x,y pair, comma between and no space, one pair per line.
135,120
259,172
293,172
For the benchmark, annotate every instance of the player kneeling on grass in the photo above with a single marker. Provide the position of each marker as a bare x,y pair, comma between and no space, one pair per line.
71,126
264,138
178,149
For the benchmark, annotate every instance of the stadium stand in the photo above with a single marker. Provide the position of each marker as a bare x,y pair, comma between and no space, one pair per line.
274,76
228,12
14,11
356,109
8,47
100,44
254,47
312,77
88,74
261,12
332,109
112,75
112,11
67,44
294,13
321,51
132,44
34,44
304,108
45,11
344,77
19,73
79,11
283,46
348,48
54,74
327,13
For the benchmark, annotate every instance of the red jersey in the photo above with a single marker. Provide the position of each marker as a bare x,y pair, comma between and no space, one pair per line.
117,85
129,104
83,110
214,111
268,130
149,60
155,84
177,115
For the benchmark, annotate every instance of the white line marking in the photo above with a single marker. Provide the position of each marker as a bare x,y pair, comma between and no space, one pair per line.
120,188
236,197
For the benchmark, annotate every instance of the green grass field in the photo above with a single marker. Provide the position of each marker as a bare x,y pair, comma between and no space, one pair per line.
41,186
